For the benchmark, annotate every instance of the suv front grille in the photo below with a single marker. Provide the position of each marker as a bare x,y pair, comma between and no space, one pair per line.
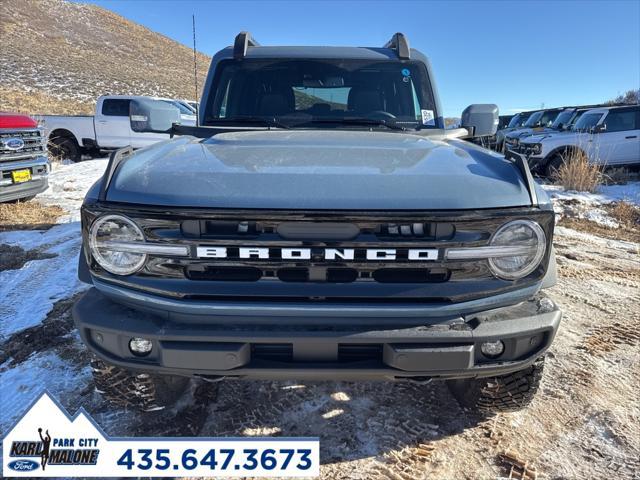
272,272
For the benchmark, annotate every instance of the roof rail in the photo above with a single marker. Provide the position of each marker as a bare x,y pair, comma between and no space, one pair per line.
400,44
243,41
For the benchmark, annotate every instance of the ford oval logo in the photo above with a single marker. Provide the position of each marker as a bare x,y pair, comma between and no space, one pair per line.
23,465
14,143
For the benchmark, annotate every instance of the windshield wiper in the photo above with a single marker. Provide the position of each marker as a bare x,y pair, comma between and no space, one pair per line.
255,120
391,124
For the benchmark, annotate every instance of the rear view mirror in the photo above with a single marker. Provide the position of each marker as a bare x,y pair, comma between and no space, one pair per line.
480,119
147,115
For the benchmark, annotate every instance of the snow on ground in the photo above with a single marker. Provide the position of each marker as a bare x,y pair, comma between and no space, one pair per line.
68,185
52,279
28,294
587,206
629,192
40,370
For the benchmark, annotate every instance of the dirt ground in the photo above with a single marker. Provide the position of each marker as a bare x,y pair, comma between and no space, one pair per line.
585,422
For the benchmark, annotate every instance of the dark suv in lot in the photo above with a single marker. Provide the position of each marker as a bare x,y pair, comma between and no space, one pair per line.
319,224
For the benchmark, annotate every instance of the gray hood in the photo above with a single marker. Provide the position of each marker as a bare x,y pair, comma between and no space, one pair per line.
318,170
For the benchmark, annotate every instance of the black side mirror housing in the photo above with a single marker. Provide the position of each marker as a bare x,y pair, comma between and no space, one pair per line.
599,128
152,116
480,119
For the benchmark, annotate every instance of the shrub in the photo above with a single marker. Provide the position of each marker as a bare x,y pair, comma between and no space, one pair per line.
577,173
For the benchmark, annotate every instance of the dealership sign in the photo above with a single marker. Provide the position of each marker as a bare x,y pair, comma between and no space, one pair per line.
48,442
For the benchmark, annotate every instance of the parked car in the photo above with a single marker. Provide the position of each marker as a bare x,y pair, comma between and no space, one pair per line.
556,119
517,121
321,223
24,165
607,136
110,128
537,122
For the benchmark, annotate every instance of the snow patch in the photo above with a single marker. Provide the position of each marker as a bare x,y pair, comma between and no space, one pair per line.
28,294
68,184
586,206
629,192
22,384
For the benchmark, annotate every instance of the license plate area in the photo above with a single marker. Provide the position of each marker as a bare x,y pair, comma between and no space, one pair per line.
21,176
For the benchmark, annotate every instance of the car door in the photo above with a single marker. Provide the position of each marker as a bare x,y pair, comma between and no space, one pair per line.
629,147
112,123
619,142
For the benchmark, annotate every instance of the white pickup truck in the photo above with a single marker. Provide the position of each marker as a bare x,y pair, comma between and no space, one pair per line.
110,128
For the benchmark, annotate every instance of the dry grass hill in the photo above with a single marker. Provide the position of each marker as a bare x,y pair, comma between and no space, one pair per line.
56,57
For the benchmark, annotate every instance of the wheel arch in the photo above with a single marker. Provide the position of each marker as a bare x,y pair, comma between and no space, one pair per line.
562,150
63,132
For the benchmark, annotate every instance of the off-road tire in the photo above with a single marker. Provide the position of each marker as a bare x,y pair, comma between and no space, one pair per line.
137,390
65,148
507,393
553,165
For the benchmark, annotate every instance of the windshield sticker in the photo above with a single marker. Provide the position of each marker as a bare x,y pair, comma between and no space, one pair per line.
428,118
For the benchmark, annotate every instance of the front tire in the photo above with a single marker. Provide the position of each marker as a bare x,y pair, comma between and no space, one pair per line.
553,166
506,393
138,390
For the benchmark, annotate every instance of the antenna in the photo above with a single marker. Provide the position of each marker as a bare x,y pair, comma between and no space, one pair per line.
195,70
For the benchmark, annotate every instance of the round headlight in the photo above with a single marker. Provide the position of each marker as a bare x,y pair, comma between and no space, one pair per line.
519,233
105,235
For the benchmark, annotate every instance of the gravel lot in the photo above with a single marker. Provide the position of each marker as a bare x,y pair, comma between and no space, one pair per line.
585,423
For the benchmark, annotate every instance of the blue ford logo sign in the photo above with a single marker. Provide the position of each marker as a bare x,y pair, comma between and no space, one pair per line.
13,143
23,465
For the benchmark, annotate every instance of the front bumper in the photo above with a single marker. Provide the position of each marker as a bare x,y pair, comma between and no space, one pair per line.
290,349
39,168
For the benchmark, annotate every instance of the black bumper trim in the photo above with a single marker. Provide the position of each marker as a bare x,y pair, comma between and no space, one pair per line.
445,349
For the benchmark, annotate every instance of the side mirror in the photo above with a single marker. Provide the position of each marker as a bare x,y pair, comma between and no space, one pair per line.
599,128
153,116
480,119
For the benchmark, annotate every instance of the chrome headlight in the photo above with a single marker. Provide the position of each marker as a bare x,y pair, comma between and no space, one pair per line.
108,240
519,247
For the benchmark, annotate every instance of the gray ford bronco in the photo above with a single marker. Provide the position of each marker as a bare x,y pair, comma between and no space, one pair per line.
318,224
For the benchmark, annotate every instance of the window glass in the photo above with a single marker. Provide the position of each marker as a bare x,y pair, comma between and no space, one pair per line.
548,117
562,119
519,120
534,119
308,97
619,121
116,107
296,92
587,121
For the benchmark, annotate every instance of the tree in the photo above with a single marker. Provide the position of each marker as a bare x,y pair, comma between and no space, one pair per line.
630,97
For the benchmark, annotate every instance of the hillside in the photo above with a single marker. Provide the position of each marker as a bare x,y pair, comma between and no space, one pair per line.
57,57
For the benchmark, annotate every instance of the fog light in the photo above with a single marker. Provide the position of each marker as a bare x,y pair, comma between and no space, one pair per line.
140,346
492,349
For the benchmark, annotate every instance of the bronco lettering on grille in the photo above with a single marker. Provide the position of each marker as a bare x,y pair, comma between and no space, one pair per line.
350,254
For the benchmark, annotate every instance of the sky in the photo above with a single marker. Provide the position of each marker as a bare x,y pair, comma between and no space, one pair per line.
520,55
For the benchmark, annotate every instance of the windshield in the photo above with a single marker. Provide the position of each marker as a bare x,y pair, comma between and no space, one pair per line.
330,92
184,110
563,119
575,119
587,121
519,120
533,119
